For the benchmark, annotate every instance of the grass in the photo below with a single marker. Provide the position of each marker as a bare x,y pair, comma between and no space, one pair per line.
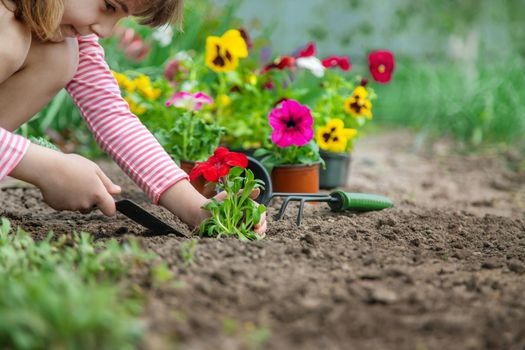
72,292
478,104
187,251
251,335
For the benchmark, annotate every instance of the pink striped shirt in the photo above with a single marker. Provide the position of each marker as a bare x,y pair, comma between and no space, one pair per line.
117,131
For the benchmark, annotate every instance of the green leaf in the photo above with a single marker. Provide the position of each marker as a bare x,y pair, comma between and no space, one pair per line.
6,227
235,172
261,152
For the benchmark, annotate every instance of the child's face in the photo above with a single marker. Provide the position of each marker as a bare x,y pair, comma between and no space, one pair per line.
83,17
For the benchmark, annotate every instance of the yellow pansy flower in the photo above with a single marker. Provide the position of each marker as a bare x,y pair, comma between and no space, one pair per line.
151,93
124,82
358,104
134,107
334,137
142,82
223,53
144,86
252,79
223,100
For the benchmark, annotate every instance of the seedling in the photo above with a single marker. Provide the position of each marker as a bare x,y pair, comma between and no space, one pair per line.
187,251
237,214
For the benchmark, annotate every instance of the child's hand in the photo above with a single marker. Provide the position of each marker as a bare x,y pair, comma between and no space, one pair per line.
67,181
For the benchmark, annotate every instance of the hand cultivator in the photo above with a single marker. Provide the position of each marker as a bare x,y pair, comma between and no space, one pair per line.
337,201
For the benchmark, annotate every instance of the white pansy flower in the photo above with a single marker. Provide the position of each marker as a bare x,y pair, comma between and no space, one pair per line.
163,35
313,64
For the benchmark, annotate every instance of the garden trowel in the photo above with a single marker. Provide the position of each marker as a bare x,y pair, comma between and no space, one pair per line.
141,216
129,208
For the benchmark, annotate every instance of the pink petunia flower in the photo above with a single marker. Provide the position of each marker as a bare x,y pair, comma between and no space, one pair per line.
381,64
130,42
342,62
189,101
291,124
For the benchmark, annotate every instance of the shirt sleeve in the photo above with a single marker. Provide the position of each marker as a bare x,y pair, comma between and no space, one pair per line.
12,150
116,130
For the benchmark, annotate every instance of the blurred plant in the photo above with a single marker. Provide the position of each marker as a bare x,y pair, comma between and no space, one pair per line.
70,292
240,99
480,113
292,134
322,84
237,214
187,251
193,135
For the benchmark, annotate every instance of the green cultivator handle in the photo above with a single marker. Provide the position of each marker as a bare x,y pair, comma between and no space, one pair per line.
337,200
358,201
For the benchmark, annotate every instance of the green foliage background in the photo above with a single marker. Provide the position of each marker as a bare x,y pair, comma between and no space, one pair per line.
474,96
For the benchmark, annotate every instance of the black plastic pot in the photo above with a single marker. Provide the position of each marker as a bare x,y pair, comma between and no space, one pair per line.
260,172
337,170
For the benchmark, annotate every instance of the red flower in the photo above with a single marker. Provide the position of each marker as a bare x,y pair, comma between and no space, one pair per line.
342,62
285,62
280,63
218,165
289,62
308,51
381,64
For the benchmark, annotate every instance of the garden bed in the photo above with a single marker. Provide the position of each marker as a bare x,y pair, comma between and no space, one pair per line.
444,269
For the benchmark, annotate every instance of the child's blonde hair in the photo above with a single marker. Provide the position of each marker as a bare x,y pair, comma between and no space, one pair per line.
43,16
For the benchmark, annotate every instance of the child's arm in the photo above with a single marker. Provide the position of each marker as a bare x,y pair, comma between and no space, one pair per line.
67,181
121,134
12,149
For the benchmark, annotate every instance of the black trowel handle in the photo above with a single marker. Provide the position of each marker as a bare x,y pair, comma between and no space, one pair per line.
141,216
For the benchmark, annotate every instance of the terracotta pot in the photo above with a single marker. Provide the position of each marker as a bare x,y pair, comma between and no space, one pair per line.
336,172
296,178
201,185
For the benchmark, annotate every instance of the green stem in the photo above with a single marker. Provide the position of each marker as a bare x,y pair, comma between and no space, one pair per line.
221,91
188,133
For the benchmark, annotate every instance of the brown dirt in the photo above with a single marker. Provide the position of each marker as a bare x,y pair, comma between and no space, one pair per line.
444,269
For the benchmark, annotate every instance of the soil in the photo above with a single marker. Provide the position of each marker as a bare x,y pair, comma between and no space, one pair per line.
444,269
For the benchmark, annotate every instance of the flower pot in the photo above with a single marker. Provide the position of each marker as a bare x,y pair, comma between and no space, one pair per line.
260,173
296,178
337,169
201,185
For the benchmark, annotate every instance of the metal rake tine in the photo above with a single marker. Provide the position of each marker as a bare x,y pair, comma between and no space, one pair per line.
301,211
287,200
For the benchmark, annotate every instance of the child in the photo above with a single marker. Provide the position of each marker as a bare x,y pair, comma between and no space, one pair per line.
51,44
